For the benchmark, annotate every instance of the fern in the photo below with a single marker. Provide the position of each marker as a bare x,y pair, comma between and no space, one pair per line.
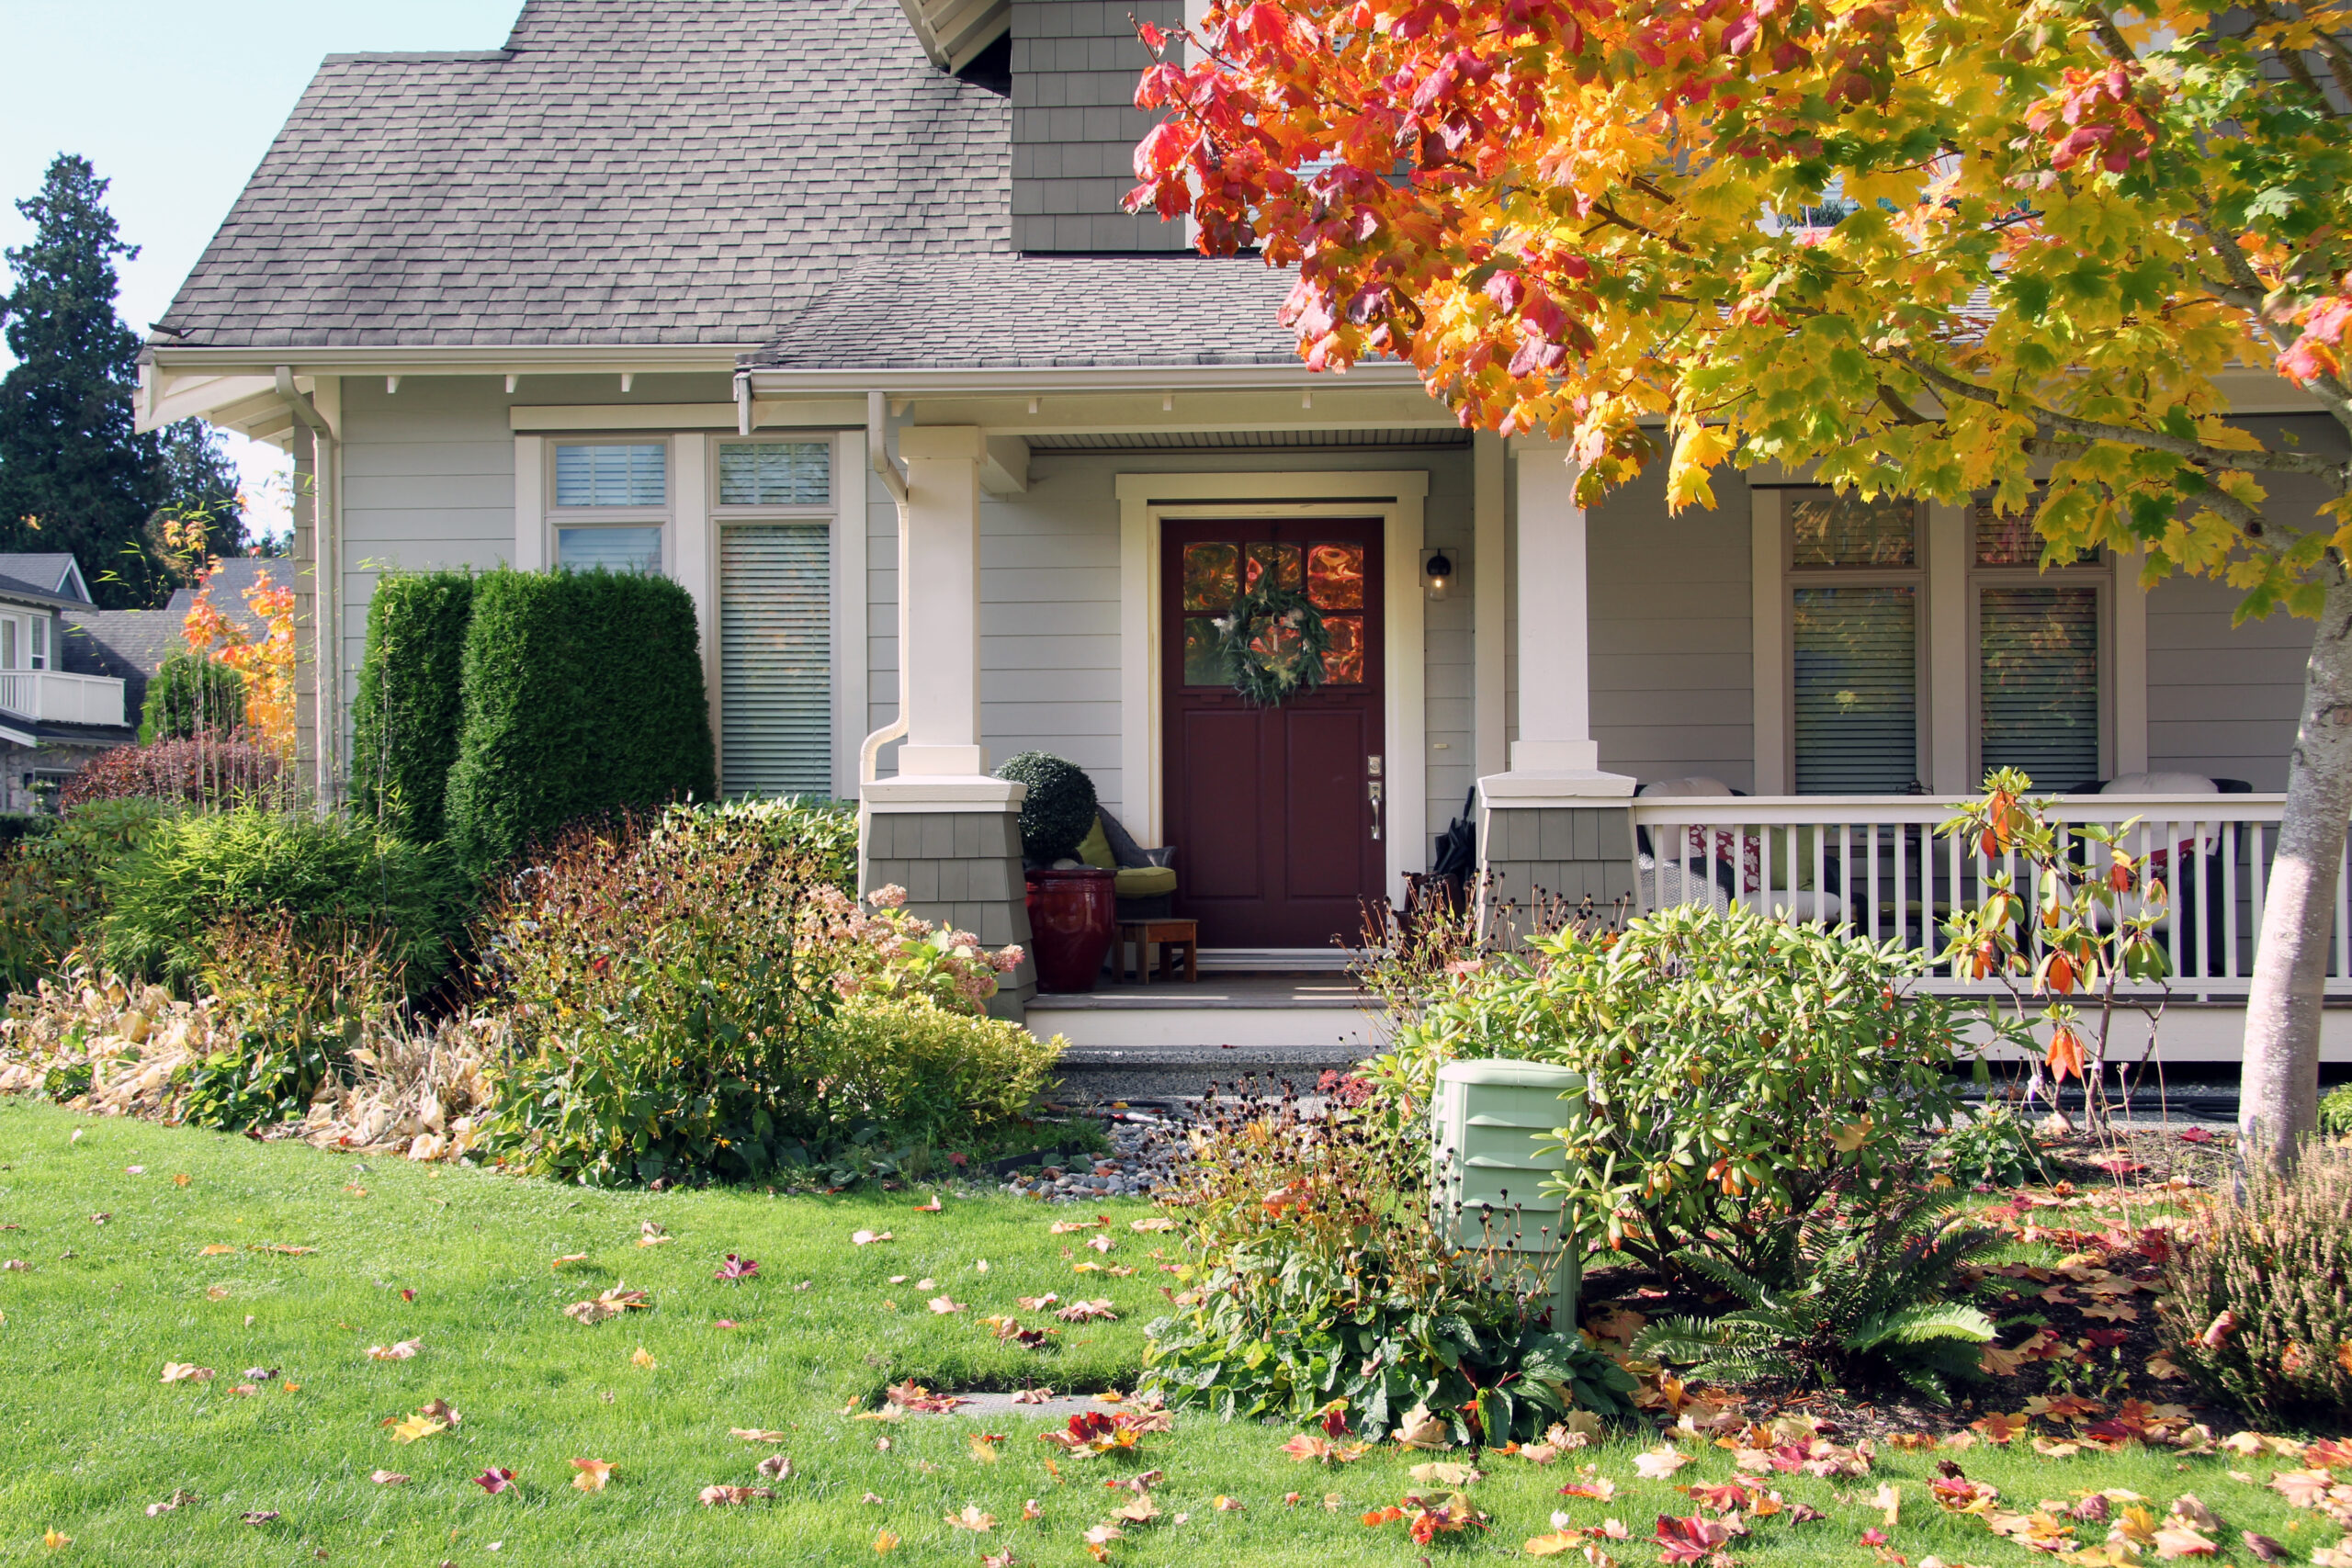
1872,1303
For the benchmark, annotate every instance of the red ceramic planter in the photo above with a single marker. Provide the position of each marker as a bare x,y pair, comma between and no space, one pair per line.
1072,917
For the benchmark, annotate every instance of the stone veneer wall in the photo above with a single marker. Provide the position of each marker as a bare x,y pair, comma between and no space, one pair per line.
1570,853
960,869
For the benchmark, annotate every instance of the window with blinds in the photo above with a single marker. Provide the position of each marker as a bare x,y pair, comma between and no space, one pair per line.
609,549
1855,719
612,474
775,473
2037,682
775,658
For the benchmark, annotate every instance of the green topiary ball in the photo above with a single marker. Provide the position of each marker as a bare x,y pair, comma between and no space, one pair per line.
1059,811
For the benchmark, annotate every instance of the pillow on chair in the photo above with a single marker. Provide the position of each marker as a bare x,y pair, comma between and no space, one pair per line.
2160,783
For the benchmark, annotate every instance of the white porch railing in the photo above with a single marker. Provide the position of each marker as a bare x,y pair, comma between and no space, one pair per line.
1876,863
61,698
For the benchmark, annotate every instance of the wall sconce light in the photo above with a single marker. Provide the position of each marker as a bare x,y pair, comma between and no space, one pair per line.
1436,572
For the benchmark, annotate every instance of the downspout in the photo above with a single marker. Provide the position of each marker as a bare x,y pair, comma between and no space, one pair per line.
869,755
326,585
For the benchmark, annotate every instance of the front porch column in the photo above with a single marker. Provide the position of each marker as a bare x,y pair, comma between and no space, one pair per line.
944,828
1554,822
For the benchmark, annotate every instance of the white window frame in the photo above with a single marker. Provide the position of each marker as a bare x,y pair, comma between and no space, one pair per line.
844,519
1914,577
662,517
40,637
1950,651
2099,576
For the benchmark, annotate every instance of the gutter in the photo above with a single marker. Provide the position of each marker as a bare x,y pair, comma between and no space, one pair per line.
885,468
326,511
458,359
1292,377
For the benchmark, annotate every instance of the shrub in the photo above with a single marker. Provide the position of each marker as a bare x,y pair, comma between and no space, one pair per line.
2258,1308
51,895
825,831
190,696
583,695
1738,1070
325,874
1993,1148
1315,1284
691,1002
2336,1113
410,710
1868,1301
206,770
299,998
1058,811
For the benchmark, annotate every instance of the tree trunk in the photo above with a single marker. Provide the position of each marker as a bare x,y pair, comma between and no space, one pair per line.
2278,1092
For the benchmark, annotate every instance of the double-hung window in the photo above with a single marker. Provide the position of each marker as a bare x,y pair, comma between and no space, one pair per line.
611,502
1855,586
2036,683
775,518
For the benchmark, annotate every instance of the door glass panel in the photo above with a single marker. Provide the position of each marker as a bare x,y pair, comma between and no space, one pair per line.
1343,660
1208,575
1282,559
1204,666
1335,577
1829,529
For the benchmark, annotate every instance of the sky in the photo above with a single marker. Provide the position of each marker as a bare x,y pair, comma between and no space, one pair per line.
175,104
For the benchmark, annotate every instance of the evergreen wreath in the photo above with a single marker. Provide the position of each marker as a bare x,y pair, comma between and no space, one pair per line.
1267,676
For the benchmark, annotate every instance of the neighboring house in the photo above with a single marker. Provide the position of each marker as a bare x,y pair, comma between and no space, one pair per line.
827,309
56,710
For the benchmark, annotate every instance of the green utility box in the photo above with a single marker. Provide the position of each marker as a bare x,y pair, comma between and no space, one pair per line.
1488,1165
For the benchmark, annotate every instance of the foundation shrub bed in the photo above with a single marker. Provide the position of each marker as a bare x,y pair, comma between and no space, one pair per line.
323,878
1317,1288
53,893
695,999
2258,1306
190,696
1739,1070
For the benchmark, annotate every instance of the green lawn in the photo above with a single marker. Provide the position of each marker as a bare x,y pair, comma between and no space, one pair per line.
90,1434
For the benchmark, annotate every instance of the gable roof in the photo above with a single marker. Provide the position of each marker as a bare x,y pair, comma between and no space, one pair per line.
792,173
52,575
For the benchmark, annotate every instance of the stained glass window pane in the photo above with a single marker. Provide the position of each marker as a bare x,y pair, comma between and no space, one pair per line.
612,475
1829,529
775,473
1335,577
1203,665
1208,575
1343,662
1282,559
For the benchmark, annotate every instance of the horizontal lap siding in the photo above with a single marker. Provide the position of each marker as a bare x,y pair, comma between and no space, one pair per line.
1673,689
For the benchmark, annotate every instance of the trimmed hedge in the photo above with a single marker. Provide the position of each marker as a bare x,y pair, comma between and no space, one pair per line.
407,719
584,694
188,695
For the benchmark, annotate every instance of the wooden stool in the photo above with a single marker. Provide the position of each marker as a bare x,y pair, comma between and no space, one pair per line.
1170,935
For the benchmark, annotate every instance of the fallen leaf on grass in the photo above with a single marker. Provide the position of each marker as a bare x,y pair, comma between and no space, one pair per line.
650,1235
260,1517
945,1304
2187,1509
404,1350
886,1541
1156,1223
389,1478
984,1446
1420,1429
931,1208
612,1304
911,1395
1311,1445
555,1264
1088,1311
1601,1489
215,1250
51,1539
1224,1504
494,1480
873,1498
2263,1547
643,1358
1445,1472
775,1467
972,1519
867,1238
2177,1540
283,1250
2304,1488
1693,1540
594,1474
720,1496
1557,1542
1889,1503
1064,1227
736,1269
1659,1464
755,1434
1100,1243
178,1500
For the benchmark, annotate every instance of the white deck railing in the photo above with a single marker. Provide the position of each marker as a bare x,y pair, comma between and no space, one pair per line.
62,698
1876,863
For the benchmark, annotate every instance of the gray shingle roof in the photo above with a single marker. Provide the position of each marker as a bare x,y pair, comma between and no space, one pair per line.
129,644
232,575
791,172
50,575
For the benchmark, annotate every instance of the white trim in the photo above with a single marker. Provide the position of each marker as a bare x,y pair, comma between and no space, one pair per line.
467,359
530,503
825,412
1489,627
849,609
2129,676
1154,380
1399,499
1950,697
691,549
1768,642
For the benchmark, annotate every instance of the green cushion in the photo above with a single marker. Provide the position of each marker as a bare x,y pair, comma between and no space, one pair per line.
1144,882
1095,849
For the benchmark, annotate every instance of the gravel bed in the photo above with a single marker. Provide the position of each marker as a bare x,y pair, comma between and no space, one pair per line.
1146,1147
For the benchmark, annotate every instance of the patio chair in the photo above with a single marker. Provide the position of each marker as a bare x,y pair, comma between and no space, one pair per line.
2177,862
1734,858
1145,881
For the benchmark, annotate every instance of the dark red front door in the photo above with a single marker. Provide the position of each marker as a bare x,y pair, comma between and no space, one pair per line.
1272,809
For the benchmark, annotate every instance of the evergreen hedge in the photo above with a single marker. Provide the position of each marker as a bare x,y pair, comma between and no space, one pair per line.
584,693
188,695
406,721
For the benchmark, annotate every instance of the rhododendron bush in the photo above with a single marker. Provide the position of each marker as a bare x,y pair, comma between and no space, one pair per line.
701,1001
2034,251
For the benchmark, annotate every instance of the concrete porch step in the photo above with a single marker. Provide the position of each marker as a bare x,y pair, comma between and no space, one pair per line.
1316,1012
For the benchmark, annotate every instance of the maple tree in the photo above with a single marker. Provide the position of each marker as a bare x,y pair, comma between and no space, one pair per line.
266,663
1969,248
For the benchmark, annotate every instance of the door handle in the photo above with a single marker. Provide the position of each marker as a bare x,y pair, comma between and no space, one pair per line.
1376,808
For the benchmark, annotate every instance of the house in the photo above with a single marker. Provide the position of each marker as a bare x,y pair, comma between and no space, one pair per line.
57,708
830,310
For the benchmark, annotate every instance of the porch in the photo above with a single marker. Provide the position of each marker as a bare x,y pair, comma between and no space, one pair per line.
54,697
